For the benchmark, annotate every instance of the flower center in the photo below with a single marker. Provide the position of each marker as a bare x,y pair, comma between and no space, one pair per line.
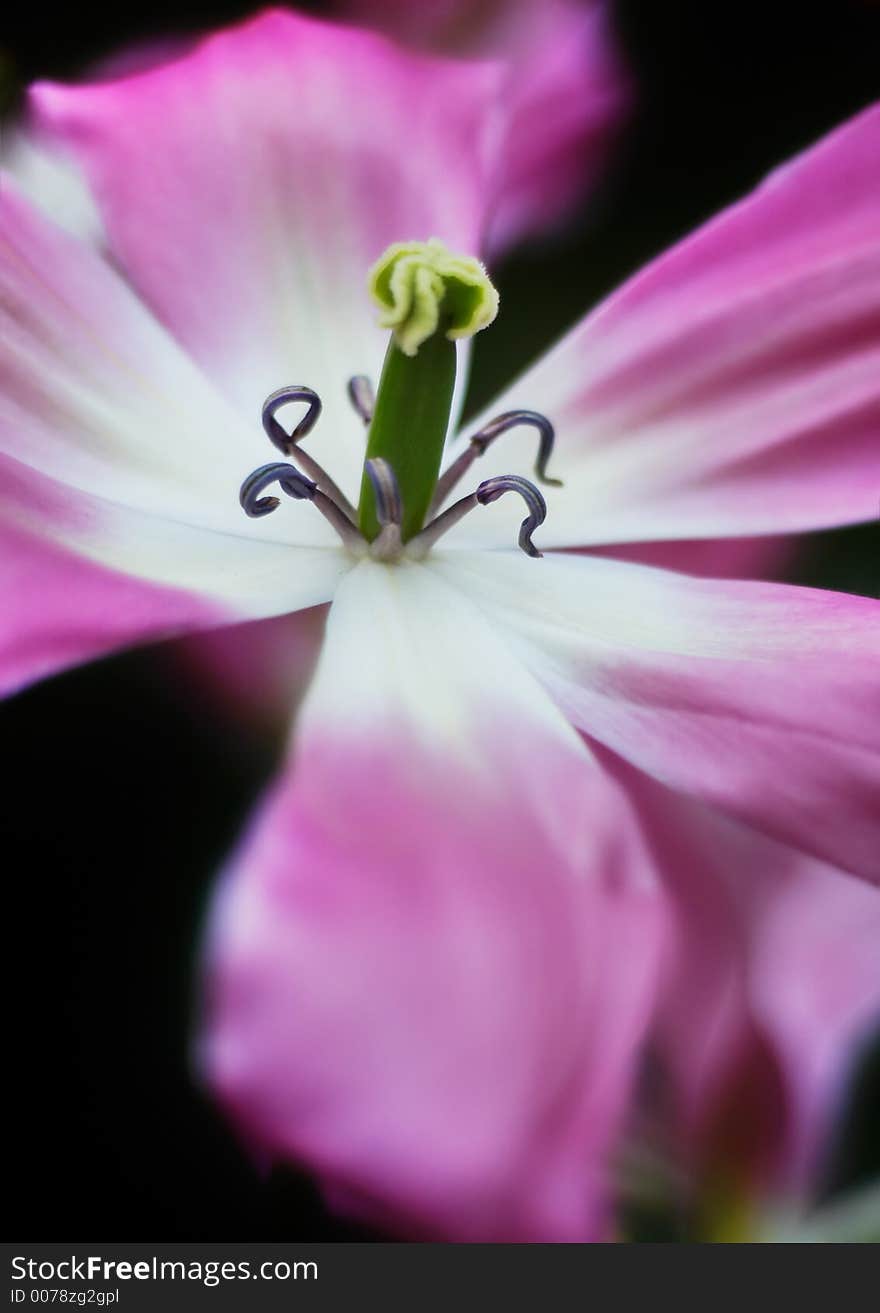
428,297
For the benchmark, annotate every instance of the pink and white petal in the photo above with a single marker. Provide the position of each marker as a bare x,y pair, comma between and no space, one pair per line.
761,699
773,989
733,386
432,959
81,576
113,445
249,577
57,610
247,186
100,397
565,95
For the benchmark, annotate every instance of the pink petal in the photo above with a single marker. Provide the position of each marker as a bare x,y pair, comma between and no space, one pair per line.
711,558
732,387
433,957
775,986
761,699
247,186
58,610
258,671
565,96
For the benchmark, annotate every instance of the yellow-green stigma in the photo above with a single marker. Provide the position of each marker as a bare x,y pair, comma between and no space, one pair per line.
422,288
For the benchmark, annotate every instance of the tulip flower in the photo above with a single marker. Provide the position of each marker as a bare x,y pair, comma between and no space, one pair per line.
434,957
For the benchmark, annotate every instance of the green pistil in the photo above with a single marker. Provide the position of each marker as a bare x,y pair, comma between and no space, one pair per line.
428,298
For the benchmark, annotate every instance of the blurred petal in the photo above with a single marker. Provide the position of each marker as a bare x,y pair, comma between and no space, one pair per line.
759,698
565,95
732,387
816,988
247,187
259,670
53,182
774,987
852,1218
433,957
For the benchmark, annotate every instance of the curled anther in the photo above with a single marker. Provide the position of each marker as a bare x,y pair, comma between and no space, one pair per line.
296,485
386,546
362,396
488,491
288,443
491,489
482,440
283,440
511,419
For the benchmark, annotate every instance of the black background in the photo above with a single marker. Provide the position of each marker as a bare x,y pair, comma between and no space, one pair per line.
123,788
